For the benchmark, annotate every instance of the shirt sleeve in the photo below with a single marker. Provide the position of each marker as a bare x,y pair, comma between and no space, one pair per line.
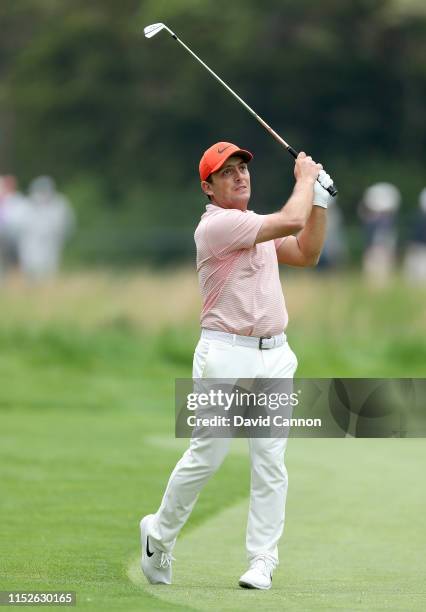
232,230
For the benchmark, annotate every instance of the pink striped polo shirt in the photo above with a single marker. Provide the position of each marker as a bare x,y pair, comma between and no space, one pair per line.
239,280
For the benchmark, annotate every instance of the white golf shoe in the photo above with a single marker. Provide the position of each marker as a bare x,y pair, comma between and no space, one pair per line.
259,574
156,564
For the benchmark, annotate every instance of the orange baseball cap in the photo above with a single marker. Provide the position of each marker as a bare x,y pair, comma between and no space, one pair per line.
216,156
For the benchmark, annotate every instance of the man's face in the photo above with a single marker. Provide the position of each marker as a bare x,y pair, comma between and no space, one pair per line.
230,186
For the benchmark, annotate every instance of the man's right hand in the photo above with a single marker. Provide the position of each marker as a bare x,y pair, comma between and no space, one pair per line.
305,169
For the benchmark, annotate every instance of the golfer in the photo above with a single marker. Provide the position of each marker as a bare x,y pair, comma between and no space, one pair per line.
243,322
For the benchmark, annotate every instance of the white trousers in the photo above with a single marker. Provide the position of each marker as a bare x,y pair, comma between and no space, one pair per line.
268,488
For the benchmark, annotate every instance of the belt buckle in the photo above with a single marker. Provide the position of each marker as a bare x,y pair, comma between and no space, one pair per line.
261,342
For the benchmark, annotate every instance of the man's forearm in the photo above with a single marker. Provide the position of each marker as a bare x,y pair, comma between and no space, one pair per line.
311,237
293,215
299,204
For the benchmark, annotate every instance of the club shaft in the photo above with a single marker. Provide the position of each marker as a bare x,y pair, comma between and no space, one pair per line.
236,96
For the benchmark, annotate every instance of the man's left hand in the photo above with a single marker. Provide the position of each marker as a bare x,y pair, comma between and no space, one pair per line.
321,196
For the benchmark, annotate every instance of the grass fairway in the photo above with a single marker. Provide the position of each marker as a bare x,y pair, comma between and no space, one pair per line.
329,560
87,372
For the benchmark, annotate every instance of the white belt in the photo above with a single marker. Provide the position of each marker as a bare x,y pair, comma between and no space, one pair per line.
262,343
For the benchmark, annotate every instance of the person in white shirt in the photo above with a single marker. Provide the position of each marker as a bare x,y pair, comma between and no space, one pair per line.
43,229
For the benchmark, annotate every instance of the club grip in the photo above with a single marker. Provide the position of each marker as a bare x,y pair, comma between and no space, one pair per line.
331,188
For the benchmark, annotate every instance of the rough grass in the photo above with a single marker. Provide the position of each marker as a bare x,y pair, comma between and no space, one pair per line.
338,324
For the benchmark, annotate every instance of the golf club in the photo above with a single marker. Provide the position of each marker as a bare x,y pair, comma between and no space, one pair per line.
155,28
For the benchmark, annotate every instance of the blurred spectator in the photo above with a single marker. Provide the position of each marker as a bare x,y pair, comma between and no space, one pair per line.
43,229
335,251
378,211
415,256
13,207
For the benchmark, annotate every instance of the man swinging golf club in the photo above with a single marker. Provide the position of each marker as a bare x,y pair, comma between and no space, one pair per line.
243,321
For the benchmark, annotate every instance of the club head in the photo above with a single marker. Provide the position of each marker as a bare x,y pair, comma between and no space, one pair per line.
153,29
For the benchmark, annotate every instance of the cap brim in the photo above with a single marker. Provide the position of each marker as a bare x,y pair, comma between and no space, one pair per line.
246,155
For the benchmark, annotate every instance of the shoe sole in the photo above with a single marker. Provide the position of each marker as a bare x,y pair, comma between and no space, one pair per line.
143,534
142,528
248,585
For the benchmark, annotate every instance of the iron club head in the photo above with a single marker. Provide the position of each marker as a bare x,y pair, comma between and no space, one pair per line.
153,29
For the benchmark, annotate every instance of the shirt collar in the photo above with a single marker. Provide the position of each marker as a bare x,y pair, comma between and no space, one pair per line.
212,207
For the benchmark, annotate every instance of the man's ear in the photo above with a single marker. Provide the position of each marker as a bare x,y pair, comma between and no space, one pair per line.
207,188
